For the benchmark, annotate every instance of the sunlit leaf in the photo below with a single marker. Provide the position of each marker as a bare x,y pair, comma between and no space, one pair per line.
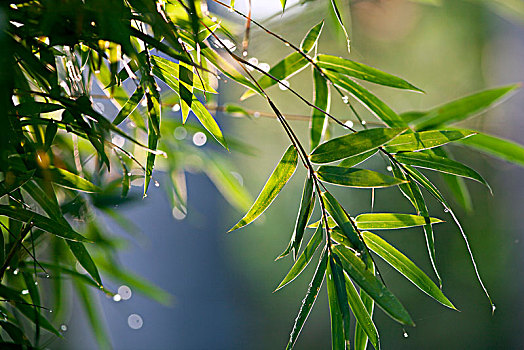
338,339
311,38
496,146
426,139
321,99
386,221
69,180
282,173
355,160
354,177
361,337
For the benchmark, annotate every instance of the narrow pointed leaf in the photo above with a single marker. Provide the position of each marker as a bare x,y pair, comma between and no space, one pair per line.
362,315
338,341
336,11
311,38
361,337
445,165
462,108
354,177
405,266
282,173
67,179
373,103
153,134
309,300
84,258
357,270
353,144
304,258
42,222
498,147
417,141
284,69
208,122
339,280
363,72
321,99
386,221
130,105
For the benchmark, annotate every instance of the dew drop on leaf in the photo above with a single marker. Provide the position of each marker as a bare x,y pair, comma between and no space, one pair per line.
63,328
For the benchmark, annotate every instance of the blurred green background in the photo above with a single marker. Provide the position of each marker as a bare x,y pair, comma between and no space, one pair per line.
223,283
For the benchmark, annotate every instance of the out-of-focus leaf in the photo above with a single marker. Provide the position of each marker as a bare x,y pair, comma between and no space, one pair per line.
309,300
311,38
336,11
355,160
282,173
356,269
321,99
462,108
84,258
405,266
284,69
304,258
361,337
41,222
153,134
426,139
373,103
33,107
387,221
16,334
362,315
69,180
496,146
354,177
445,165
94,315
353,144
362,71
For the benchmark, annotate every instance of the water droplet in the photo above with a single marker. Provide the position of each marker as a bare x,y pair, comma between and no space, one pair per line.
199,139
493,308
405,334
117,297
348,123
47,275
238,177
283,85
176,107
244,53
125,292
286,43
363,122
135,321
358,254
16,271
264,67
213,19
345,99
118,141
178,214
256,114
36,283
157,184
63,328
25,292
446,210
180,133
50,311
389,168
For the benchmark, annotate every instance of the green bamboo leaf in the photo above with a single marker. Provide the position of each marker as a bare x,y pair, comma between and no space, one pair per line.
284,69
498,147
338,339
321,99
311,38
373,103
208,122
93,313
309,300
304,258
462,108
282,173
339,280
424,182
69,180
361,337
445,165
304,213
283,3
27,310
153,134
32,108
336,11
364,320
357,270
84,258
363,72
406,267
387,221
353,144
342,219
42,222
355,160
416,141
16,334
130,105
354,177
170,71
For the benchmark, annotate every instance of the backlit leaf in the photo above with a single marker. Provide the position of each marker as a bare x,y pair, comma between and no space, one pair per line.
354,177
386,221
426,139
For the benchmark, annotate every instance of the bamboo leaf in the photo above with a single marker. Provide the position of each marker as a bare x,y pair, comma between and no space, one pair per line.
282,173
130,105
363,72
336,11
496,146
445,165
416,141
361,337
353,144
309,300
406,267
321,99
338,339
354,177
373,103
355,160
356,269
311,38
208,122
387,221
69,180
304,258
339,280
